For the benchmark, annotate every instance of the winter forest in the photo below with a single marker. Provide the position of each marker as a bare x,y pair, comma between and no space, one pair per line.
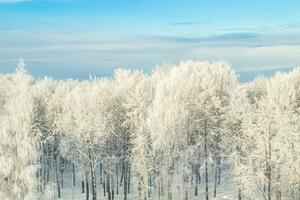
186,131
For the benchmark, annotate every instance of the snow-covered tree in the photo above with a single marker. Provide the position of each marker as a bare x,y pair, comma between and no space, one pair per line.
136,91
17,144
156,135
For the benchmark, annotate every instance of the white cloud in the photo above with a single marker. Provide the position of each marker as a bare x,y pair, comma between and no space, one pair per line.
252,58
56,53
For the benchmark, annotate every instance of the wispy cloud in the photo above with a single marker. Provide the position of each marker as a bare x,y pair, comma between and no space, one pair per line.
83,54
235,36
295,25
232,39
186,23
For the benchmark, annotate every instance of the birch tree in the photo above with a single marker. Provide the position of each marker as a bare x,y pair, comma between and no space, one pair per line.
17,144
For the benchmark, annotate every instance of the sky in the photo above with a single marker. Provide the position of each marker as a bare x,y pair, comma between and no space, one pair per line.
77,38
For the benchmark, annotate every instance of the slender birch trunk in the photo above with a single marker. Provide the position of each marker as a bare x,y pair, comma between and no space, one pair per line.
93,179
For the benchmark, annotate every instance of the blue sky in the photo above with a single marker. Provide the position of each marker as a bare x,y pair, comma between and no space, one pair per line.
75,38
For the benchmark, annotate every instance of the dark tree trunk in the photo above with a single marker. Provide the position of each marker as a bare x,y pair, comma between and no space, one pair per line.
87,187
150,186
100,166
125,182
239,194
122,174
128,179
104,185
82,186
206,158
73,178
199,179
73,174
48,171
117,177
57,176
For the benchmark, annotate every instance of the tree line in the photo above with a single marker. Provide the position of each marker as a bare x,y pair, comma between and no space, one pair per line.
159,135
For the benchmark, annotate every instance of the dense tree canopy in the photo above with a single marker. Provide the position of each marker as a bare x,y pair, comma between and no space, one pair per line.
156,135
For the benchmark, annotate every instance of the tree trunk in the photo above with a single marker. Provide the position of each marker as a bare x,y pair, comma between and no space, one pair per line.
216,179
196,180
40,174
140,189
128,178
269,166
93,179
150,186
104,185
122,174
159,189
169,189
57,176
82,186
269,182
117,178
73,185
219,174
278,187
186,195
44,168
125,181
162,187
108,187
199,181
73,174
48,170
239,194
87,187
93,184
206,158
170,173
112,187
61,169
100,166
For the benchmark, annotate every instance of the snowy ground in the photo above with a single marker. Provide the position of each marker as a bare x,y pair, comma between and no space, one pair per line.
224,191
